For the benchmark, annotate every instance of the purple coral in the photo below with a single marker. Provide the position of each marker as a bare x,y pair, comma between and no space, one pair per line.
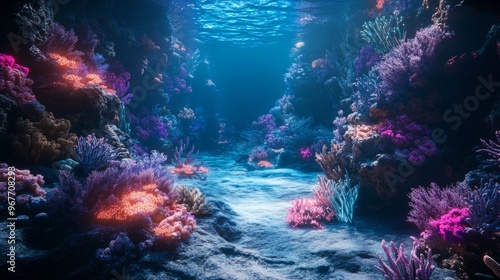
147,127
265,122
14,80
485,208
367,58
402,267
407,61
93,153
403,134
431,203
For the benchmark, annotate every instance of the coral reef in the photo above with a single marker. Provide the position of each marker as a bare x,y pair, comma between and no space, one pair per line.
44,141
403,267
340,196
21,189
14,80
308,212
193,200
92,153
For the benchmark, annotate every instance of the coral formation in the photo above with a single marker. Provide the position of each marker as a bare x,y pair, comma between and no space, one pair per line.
44,141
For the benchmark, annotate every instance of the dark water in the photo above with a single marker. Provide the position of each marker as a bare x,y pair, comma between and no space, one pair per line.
248,45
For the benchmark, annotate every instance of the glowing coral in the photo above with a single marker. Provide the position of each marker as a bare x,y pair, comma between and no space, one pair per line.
14,80
130,204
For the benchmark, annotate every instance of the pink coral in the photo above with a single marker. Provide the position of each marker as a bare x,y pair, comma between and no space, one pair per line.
14,80
308,211
26,184
451,225
176,227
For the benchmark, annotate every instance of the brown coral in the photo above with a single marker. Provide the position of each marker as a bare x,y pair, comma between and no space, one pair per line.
42,142
193,200
331,162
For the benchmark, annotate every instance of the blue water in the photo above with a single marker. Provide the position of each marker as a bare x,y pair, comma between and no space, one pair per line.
248,44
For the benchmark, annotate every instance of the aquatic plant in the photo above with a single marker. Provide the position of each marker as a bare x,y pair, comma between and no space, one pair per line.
308,212
338,195
492,148
451,226
485,208
384,34
432,203
93,153
402,267
14,80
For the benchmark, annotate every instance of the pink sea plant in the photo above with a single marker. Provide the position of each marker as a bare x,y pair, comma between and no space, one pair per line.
308,212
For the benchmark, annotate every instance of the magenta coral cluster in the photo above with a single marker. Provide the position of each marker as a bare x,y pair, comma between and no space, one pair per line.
403,134
452,225
308,212
14,80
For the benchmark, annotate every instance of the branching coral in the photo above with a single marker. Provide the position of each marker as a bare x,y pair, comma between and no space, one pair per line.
14,80
384,34
485,208
308,212
193,200
330,162
186,167
93,153
492,148
338,195
431,203
44,141
409,61
402,267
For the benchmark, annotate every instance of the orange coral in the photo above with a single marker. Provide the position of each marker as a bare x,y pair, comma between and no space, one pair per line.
380,4
144,201
78,80
360,132
265,164
189,170
64,61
